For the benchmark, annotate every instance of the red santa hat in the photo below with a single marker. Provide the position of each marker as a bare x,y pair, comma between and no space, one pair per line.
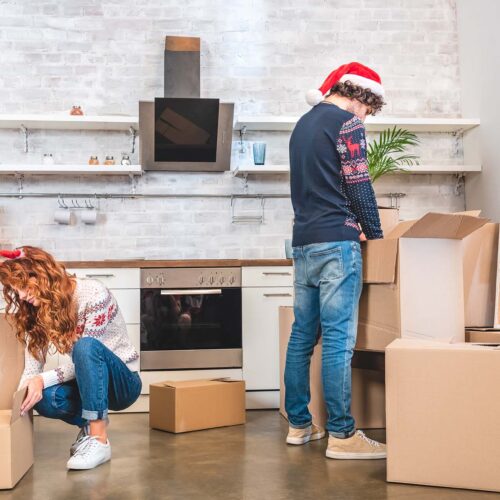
356,73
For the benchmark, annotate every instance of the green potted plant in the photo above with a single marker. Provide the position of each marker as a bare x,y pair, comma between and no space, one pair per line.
386,154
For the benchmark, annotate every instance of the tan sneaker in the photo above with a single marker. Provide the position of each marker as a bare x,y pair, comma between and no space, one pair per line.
357,447
303,436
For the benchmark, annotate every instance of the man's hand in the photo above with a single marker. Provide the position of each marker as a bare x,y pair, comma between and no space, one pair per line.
34,395
362,237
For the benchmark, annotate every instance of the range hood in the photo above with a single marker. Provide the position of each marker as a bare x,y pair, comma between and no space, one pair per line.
170,126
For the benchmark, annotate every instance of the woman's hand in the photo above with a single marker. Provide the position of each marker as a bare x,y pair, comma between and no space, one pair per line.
35,388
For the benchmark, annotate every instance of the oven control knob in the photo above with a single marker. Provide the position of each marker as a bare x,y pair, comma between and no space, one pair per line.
222,280
211,280
201,280
232,280
160,279
149,280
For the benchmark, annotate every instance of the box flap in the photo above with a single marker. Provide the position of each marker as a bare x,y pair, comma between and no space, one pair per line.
446,226
178,384
416,345
379,260
473,213
17,401
400,229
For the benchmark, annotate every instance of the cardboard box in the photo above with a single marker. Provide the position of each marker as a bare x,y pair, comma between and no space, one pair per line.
482,335
480,272
193,405
442,414
389,218
368,384
16,432
414,282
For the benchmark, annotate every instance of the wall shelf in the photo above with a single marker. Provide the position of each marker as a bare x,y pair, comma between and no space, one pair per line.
68,122
373,124
41,169
416,169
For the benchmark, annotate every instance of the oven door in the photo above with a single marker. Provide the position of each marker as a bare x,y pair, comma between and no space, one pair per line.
190,329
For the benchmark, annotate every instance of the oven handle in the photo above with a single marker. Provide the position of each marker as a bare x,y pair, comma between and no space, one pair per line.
214,291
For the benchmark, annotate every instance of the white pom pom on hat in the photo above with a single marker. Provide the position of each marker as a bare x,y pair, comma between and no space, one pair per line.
313,97
355,72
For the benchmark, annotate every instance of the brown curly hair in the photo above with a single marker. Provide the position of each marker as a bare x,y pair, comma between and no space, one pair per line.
361,94
54,321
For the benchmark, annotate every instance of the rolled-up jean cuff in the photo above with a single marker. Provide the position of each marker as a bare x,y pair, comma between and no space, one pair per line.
342,435
302,426
94,415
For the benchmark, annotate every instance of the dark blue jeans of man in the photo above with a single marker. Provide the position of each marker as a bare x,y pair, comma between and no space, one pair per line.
103,381
328,284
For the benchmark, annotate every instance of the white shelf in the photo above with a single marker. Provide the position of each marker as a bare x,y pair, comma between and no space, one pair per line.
40,169
68,122
373,124
416,169
261,169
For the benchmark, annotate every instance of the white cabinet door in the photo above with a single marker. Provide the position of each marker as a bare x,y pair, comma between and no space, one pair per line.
129,302
261,335
134,334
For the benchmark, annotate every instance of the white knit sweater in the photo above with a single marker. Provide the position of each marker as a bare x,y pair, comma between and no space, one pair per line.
98,317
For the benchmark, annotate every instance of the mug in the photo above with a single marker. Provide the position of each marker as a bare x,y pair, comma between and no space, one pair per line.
89,216
62,216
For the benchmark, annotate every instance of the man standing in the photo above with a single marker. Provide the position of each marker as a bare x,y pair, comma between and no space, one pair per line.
332,197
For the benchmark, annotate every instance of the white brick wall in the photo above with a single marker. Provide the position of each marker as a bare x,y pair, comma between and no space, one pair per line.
261,54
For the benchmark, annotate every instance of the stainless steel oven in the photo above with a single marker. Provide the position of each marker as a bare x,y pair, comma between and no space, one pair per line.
191,318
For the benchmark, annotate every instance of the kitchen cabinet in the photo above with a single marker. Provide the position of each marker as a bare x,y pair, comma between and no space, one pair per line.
265,290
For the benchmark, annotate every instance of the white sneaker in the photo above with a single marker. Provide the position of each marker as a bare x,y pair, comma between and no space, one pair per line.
84,431
303,436
89,454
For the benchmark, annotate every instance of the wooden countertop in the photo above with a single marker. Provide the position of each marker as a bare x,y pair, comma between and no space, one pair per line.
177,263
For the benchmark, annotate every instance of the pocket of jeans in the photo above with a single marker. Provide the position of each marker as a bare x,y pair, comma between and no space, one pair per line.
331,262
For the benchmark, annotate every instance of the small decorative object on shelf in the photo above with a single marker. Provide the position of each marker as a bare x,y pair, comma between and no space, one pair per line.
125,159
76,111
48,159
259,153
93,160
110,160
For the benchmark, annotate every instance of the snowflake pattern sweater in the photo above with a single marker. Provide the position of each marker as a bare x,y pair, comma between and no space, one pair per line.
332,194
98,317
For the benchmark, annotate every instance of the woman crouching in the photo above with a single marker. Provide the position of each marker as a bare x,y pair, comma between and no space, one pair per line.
51,309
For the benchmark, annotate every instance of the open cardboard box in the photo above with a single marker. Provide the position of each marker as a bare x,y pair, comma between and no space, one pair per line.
16,432
413,282
442,414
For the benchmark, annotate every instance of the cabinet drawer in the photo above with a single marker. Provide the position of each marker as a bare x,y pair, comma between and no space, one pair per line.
113,278
267,276
129,302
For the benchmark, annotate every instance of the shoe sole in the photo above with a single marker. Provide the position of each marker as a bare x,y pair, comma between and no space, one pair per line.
88,468
340,455
306,439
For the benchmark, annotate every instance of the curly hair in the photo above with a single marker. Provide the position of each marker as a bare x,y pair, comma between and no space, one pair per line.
361,94
54,321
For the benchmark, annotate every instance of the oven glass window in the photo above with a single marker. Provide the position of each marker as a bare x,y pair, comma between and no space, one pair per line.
172,321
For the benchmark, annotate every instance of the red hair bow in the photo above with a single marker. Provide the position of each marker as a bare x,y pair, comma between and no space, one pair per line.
11,254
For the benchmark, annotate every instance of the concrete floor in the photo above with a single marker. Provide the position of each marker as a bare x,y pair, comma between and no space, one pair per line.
241,463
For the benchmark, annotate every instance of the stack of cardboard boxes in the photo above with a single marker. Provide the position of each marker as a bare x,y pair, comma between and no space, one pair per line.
424,284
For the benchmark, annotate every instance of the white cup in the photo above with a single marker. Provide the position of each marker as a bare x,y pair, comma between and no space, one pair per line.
62,216
89,216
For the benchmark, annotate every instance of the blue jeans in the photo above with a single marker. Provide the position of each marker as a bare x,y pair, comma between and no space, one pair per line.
103,381
328,284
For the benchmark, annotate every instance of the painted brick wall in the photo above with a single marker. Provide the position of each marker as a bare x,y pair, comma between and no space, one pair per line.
262,55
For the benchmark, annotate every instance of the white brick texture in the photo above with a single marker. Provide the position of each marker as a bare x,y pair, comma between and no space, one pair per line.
260,54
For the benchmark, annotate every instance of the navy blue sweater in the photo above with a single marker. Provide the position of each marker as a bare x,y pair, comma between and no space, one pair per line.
332,194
